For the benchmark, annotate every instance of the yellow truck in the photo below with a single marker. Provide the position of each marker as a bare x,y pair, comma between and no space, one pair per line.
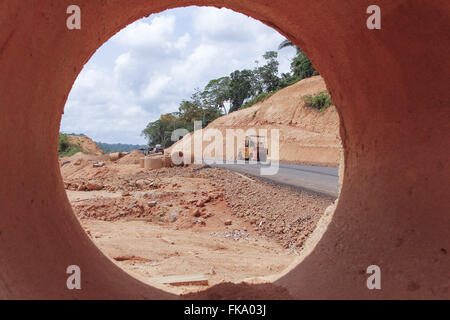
255,149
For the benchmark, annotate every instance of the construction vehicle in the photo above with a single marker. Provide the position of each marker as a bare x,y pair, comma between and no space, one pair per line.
158,149
255,149
152,150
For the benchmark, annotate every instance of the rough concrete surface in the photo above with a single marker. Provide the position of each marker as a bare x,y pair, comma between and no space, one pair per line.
390,87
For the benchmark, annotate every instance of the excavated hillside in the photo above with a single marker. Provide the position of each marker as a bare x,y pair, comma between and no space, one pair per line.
306,134
87,145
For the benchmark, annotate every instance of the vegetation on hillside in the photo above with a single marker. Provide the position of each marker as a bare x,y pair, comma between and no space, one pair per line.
241,89
320,101
65,148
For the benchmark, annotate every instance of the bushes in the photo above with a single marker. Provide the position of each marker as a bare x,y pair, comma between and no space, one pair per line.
320,101
65,148
259,98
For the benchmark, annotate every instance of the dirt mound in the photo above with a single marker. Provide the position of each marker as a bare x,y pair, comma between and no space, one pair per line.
87,145
306,135
131,158
76,163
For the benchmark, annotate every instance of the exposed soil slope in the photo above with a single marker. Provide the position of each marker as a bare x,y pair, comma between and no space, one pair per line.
306,135
87,145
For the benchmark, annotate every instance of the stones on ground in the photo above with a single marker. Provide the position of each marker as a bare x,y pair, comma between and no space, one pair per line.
174,215
125,194
98,164
200,203
152,203
199,221
232,234
228,222
64,163
152,263
197,213
94,185
273,211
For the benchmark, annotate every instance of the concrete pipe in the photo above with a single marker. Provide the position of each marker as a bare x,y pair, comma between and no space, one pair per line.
114,156
391,90
154,163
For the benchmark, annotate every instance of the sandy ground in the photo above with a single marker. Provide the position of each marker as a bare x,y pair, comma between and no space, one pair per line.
151,246
143,249
189,220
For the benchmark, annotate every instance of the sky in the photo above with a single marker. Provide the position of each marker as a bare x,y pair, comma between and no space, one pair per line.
150,66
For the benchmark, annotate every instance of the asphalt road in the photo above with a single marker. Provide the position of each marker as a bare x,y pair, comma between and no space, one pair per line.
322,180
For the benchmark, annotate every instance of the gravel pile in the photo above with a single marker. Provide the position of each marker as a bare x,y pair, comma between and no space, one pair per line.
285,214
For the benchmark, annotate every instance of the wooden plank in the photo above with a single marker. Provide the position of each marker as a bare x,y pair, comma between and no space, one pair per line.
140,219
183,280
245,177
169,241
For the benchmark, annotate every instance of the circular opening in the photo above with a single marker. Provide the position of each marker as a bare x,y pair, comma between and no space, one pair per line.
187,218
393,122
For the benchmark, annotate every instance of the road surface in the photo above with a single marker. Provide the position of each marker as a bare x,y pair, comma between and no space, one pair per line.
323,180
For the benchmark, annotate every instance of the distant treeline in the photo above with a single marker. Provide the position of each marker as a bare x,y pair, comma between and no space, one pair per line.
64,147
118,147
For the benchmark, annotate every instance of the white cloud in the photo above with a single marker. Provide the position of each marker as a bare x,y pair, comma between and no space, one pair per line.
153,64
224,24
182,42
122,61
143,35
155,87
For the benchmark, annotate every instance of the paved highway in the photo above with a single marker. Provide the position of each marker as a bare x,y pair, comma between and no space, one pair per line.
323,180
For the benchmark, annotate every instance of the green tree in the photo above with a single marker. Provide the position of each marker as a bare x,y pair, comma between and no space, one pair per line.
188,112
241,88
217,93
268,74
301,66
198,109
160,131
287,43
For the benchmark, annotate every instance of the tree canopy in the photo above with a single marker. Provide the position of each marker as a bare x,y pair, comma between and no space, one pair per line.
240,89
